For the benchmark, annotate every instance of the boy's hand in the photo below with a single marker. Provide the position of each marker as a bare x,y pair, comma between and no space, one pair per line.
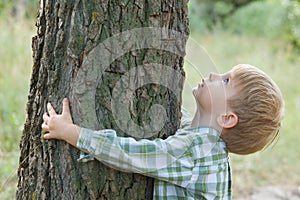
60,127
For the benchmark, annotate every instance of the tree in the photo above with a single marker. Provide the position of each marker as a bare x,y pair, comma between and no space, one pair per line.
120,64
293,34
206,14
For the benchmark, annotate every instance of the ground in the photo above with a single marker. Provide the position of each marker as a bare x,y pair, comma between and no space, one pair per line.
274,193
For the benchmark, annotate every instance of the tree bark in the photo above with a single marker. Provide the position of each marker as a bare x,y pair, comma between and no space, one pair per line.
120,64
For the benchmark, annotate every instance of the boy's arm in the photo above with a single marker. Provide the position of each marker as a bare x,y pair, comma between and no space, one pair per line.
169,160
159,158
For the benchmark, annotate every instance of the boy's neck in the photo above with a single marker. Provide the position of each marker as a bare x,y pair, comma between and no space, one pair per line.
204,119
196,120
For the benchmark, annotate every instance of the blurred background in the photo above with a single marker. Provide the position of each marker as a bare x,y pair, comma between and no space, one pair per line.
263,33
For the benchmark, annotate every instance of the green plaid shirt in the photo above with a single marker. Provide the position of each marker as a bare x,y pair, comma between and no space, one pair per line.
192,164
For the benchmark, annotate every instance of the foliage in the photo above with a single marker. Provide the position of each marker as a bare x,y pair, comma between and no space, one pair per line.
293,35
31,8
205,14
198,17
263,18
13,8
4,5
270,18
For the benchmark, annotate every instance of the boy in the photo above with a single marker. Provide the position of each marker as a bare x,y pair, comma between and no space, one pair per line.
239,112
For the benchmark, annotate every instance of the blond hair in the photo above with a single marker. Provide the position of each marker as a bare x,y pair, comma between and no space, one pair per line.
259,105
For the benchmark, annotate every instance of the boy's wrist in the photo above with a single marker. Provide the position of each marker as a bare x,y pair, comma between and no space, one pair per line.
72,134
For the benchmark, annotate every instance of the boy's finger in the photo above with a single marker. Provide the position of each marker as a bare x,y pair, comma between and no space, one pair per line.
46,117
66,107
45,127
47,136
50,109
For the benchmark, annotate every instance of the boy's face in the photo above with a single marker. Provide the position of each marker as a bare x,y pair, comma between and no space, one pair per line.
211,94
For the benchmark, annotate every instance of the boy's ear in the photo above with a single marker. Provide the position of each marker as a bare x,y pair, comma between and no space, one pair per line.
229,120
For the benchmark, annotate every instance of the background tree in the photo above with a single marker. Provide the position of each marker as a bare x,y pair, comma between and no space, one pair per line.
83,50
293,35
209,13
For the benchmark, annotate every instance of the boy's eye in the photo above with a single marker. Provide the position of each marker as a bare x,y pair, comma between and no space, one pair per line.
226,81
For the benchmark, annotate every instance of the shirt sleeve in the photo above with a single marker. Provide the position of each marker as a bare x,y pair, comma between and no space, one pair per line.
169,160
186,119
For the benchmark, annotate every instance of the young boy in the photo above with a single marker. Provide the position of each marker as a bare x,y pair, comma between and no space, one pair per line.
239,112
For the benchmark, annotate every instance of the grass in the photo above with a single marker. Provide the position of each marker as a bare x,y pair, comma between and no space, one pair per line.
278,165
15,65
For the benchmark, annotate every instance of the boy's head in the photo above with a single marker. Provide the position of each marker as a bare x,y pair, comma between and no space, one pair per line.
258,105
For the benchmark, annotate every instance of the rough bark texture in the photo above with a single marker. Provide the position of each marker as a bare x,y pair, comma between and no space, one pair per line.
82,52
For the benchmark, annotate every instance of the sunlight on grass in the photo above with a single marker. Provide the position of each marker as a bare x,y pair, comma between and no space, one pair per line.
15,65
16,62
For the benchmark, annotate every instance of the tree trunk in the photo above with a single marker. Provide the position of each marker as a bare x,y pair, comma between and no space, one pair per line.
120,64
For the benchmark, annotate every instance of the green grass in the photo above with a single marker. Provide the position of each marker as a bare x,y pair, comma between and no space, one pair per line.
278,165
15,69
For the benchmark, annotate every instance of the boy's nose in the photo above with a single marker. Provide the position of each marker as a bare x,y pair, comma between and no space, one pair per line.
214,76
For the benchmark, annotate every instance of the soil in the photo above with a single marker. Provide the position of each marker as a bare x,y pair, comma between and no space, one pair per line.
274,193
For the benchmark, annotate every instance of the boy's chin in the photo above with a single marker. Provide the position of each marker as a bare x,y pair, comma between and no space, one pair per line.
194,91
